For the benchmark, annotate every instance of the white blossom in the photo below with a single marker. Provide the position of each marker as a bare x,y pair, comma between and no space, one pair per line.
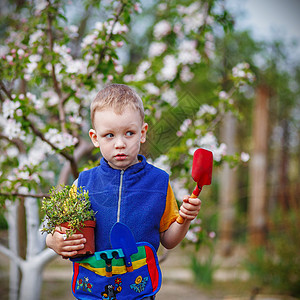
170,97
52,97
188,53
186,75
73,29
142,68
152,89
3,50
193,22
38,103
13,129
156,49
241,70
99,26
219,152
209,46
60,140
161,29
191,236
188,10
21,52
72,107
245,157
185,125
115,28
178,186
162,163
205,108
30,67
40,5
223,95
77,66
9,108
9,58
38,152
88,40
169,70
209,141
12,151
35,36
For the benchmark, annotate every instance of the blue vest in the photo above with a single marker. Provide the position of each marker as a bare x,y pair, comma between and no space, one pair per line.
135,197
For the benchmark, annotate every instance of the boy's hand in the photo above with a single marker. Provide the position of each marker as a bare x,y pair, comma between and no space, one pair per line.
190,208
67,247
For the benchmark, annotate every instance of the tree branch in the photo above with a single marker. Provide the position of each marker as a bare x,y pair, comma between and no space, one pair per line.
19,144
62,115
3,88
119,11
11,255
16,194
38,133
66,155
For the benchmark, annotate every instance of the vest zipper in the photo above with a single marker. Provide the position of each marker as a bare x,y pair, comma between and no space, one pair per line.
120,194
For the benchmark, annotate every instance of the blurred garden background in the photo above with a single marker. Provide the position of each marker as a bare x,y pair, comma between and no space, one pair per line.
206,81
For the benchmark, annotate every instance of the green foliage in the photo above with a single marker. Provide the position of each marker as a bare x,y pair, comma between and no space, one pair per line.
66,205
203,270
278,264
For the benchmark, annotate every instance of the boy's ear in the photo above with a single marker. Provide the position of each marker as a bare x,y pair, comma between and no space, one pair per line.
93,136
144,132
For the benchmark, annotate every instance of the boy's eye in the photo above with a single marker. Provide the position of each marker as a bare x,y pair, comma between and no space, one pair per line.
109,135
129,133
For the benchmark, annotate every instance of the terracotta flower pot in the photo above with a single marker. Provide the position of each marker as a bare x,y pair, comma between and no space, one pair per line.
88,233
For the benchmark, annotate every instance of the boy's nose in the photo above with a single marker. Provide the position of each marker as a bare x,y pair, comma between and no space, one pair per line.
119,143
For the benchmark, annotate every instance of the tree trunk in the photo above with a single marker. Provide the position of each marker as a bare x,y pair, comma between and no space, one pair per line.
228,188
258,170
283,191
32,275
13,244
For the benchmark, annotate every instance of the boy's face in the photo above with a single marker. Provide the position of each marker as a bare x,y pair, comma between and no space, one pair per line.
119,136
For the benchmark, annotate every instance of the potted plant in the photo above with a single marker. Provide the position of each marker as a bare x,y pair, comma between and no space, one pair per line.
70,207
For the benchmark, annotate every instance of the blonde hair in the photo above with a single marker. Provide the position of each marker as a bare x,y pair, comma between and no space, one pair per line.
117,97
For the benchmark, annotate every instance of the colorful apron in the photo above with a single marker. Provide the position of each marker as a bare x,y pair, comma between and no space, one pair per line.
106,275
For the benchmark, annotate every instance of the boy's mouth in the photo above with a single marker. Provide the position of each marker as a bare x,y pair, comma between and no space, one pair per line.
120,156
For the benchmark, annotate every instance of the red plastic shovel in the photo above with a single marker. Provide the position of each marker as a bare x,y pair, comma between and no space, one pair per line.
201,172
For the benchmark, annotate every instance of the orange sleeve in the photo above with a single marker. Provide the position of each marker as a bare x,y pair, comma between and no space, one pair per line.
171,211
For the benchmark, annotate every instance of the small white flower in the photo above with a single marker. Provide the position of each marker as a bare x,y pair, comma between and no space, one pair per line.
161,29
9,108
156,49
186,75
205,108
188,53
245,157
185,125
35,36
99,26
223,95
40,5
21,52
169,70
170,97
13,129
88,40
152,89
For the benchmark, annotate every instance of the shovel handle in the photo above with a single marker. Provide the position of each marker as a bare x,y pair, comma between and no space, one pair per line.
195,194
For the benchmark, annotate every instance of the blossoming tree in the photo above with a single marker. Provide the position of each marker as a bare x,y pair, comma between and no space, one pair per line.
50,70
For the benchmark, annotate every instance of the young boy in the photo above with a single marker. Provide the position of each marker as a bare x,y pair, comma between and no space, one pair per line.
124,187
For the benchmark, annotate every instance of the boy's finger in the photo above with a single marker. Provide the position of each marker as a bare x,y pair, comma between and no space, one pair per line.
75,237
195,201
186,198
